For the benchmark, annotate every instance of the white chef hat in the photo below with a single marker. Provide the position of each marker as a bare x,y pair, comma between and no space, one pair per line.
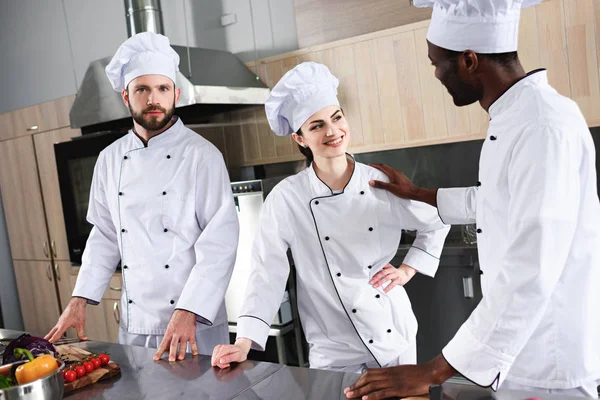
484,26
304,90
142,54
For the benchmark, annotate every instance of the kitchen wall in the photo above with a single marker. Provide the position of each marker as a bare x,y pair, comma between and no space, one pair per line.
10,310
324,21
46,46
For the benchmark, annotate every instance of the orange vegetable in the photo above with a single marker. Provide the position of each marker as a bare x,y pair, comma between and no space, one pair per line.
35,369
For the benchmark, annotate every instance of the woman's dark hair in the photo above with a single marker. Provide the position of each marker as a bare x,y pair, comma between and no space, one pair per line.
305,150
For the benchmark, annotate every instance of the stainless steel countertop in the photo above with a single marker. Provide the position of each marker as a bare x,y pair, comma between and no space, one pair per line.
143,378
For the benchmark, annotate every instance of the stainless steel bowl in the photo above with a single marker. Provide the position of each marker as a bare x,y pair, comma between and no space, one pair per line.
51,387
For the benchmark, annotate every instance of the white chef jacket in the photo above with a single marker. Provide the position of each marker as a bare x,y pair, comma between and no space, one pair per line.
166,211
538,220
338,242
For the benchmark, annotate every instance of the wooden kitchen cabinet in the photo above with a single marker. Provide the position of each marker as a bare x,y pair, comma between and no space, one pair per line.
102,320
25,121
38,118
96,327
62,273
22,198
55,113
37,295
46,161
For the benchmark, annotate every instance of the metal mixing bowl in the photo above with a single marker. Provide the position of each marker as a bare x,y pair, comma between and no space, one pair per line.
50,387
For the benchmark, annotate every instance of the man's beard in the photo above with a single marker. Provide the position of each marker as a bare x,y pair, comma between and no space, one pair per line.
149,122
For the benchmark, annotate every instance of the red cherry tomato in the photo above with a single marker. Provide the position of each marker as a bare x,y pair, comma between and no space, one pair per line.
70,375
97,363
104,358
89,367
80,370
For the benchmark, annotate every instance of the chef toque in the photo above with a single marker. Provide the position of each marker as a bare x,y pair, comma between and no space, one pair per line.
484,26
142,54
302,91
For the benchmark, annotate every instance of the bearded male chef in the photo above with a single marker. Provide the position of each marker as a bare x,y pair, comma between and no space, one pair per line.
161,204
537,213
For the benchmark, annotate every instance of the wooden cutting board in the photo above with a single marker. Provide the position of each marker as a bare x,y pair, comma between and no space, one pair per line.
72,353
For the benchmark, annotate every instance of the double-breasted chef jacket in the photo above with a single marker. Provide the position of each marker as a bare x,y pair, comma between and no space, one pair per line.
338,242
538,223
165,211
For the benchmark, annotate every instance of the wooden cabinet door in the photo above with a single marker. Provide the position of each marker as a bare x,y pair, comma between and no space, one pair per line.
44,151
6,126
55,113
38,118
37,295
62,272
22,198
26,121
24,278
95,322
102,320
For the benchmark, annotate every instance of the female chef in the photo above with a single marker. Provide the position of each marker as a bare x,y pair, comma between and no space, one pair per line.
342,234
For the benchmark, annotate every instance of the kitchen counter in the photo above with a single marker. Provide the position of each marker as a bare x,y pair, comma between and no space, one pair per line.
143,378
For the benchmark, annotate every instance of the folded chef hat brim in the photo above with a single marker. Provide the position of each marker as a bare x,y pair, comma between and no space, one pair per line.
483,26
149,63
485,36
301,92
143,54
299,112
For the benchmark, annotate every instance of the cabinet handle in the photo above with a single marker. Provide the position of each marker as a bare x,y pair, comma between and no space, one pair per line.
33,128
57,271
117,289
49,272
53,245
468,287
116,312
46,249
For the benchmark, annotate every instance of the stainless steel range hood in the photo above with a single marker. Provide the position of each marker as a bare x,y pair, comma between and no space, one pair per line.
211,81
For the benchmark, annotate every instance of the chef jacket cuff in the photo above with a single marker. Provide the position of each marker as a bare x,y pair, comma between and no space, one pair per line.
421,260
89,301
205,307
91,292
452,205
477,362
255,329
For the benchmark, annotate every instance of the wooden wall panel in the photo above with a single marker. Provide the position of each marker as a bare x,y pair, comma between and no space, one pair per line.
432,96
393,100
348,90
368,93
389,96
324,21
583,60
553,41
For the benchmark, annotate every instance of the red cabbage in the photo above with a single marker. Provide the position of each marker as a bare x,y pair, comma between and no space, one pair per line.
36,345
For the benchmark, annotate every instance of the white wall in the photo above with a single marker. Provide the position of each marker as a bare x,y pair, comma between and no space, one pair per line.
47,45
96,29
35,61
273,26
